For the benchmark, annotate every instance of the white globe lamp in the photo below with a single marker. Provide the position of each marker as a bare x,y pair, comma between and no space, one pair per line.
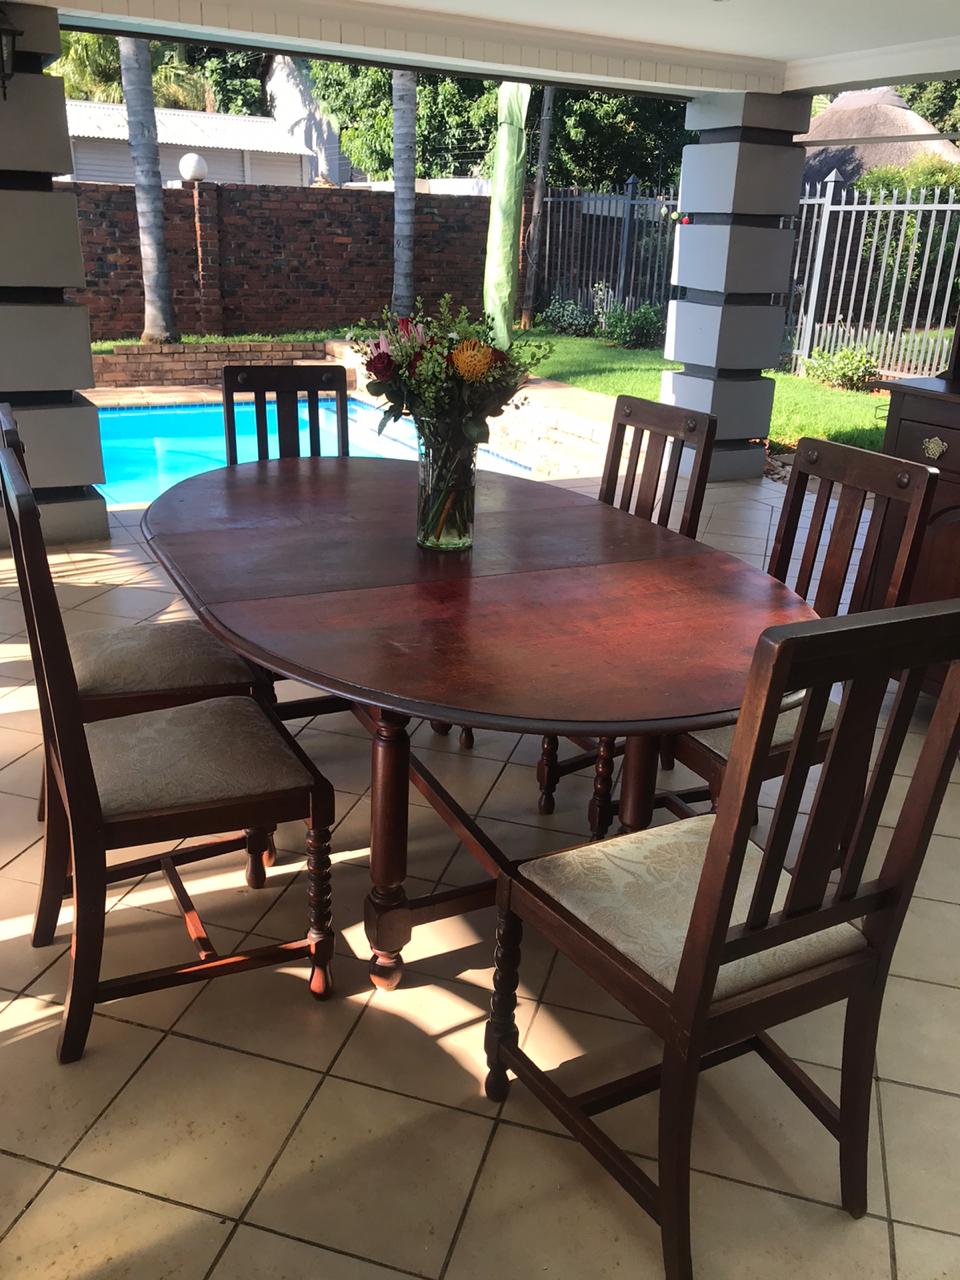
193,168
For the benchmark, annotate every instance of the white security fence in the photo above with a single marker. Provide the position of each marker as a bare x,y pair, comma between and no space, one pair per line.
873,270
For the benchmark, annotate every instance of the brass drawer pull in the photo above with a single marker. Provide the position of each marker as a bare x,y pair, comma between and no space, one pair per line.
934,447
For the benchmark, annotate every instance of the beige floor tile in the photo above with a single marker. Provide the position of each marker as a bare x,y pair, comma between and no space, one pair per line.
20,1180
373,1172
19,828
569,987
461,948
107,567
23,776
948,820
527,752
75,620
14,744
920,1035
341,757
430,842
514,799
11,617
260,1255
198,1123
739,544
20,962
940,874
926,1255
488,744
129,602
19,709
816,1037
84,1229
271,1012
927,946
543,1206
514,839
16,665
467,779
45,1107
68,595
426,1039
923,1158
136,940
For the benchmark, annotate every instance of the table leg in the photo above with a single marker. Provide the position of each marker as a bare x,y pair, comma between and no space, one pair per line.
638,785
386,915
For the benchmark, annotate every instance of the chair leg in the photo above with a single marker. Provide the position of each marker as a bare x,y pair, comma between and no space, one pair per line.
319,913
86,949
55,869
600,812
667,758
501,1024
678,1097
466,737
856,1090
258,847
42,798
547,773
441,726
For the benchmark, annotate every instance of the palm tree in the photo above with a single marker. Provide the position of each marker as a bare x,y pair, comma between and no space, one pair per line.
404,188
89,66
159,324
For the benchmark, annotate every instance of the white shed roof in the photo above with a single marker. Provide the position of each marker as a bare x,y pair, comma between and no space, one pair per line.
192,130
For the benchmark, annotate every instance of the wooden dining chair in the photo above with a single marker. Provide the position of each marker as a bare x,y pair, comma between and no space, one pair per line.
644,482
124,670
820,562
700,934
286,384
156,776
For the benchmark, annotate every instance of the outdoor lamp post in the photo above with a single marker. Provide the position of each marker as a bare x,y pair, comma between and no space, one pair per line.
8,44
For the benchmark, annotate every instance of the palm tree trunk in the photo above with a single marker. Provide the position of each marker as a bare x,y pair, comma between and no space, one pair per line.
535,238
159,323
404,188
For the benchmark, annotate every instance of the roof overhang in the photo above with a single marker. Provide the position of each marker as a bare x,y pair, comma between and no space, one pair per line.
689,47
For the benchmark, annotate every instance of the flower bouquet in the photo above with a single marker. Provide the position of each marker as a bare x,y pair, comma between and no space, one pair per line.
445,372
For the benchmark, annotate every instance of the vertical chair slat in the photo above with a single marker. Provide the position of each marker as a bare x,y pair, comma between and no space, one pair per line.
786,535
799,763
836,566
650,476
863,581
671,474
630,476
343,424
814,534
841,786
288,423
313,422
260,411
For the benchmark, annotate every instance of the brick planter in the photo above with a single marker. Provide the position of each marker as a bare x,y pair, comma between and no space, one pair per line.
193,364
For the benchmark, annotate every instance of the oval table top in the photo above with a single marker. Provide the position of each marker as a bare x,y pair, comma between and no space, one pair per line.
568,616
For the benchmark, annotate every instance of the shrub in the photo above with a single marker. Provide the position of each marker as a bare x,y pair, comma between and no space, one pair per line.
851,368
563,315
643,327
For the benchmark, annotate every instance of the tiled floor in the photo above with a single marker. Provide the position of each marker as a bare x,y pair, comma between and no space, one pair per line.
240,1131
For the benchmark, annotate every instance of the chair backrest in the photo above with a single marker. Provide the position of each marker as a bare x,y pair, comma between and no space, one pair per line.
666,430
902,493
10,434
286,383
59,700
863,652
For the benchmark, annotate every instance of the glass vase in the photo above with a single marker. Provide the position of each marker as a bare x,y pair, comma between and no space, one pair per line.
445,504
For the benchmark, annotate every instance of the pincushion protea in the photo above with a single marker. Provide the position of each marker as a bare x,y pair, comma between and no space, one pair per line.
472,359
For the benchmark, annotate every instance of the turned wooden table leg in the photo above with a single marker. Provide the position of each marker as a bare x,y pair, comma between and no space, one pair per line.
386,916
601,802
638,785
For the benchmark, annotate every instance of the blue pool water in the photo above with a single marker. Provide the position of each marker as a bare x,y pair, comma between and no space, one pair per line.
145,451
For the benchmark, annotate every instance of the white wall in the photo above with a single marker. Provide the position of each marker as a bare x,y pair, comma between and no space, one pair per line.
108,160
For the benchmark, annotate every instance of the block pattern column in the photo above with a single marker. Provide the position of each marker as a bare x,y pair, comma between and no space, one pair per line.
206,222
44,340
740,188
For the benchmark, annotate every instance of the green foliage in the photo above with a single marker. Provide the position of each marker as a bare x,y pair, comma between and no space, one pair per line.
563,315
927,171
937,101
234,77
849,368
644,327
602,139
456,119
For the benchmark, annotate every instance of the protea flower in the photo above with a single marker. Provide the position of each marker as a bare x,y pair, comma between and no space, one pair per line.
471,359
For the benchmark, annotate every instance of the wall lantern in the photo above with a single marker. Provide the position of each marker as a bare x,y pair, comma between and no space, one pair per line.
8,43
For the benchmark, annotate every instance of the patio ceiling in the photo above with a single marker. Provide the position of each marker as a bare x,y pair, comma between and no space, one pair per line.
689,46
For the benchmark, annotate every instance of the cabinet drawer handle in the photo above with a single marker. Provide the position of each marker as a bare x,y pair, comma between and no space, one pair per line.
934,447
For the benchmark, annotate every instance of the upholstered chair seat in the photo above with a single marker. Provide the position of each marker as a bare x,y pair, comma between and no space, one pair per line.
719,741
637,892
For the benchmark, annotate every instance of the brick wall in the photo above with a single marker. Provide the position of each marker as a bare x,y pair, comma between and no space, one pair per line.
194,364
273,259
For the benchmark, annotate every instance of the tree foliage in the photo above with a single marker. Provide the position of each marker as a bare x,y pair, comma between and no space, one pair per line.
600,139
937,101
926,171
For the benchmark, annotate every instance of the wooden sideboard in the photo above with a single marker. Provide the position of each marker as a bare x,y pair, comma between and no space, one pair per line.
923,424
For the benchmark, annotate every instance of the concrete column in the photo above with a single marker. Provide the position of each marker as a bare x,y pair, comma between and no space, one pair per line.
206,223
740,188
45,341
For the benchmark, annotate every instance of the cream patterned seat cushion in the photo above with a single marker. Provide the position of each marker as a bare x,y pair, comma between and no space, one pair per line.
720,741
190,757
637,891
153,657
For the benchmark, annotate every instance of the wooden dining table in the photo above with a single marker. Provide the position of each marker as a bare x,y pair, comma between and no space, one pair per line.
568,617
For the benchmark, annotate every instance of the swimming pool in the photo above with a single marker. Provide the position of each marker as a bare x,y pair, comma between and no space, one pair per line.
146,450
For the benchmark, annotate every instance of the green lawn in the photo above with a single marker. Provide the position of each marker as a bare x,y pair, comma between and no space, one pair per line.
800,407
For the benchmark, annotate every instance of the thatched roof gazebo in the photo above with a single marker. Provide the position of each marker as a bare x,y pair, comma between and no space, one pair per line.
870,113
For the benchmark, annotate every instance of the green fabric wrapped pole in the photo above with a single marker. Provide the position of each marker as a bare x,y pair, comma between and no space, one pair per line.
506,205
